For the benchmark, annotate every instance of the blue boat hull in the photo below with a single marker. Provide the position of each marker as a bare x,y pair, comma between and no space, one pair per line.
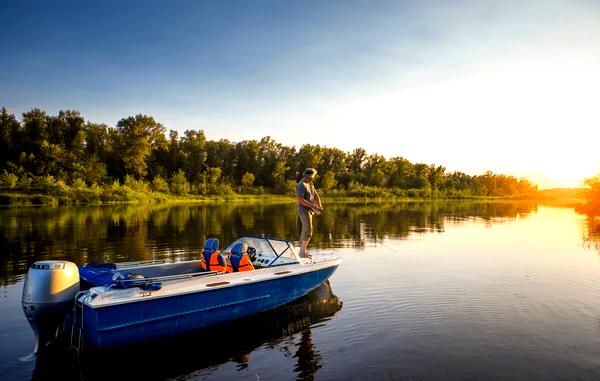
131,323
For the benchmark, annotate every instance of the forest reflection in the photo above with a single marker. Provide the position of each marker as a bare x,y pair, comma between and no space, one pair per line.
592,232
176,232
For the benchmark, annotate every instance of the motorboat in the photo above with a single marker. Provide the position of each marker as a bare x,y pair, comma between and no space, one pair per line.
115,304
233,341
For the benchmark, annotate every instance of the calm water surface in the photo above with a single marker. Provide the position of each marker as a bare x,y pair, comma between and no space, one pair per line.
426,291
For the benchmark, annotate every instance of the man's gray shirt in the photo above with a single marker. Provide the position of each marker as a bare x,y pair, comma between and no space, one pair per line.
306,191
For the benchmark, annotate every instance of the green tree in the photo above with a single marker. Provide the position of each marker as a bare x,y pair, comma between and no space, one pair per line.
35,130
67,129
139,134
419,179
356,162
213,175
66,145
375,170
159,185
179,184
435,176
8,179
220,154
247,179
10,142
401,171
193,150
34,137
113,156
166,158
246,158
309,156
278,176
328,181
96,140
94,171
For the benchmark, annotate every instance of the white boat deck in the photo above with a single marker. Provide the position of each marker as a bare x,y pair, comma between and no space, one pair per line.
98,297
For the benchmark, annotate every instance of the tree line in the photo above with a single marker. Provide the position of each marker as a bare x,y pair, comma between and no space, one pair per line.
138,152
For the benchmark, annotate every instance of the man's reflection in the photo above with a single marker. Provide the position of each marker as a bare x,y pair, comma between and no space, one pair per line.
308,358
296,317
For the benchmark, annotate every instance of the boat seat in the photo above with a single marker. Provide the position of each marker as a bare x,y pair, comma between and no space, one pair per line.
240,260
211,245
239,248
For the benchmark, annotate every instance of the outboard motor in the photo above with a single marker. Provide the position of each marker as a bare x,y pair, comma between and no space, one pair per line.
48,294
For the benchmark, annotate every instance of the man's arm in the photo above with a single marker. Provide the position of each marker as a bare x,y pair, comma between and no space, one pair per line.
307,204
317,198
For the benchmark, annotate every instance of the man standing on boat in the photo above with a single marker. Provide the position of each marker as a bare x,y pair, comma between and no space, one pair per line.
309,203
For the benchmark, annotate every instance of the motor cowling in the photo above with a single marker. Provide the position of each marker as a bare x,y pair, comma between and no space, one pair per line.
48,294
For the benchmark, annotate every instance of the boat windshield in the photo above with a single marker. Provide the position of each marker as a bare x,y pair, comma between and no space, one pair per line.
280,251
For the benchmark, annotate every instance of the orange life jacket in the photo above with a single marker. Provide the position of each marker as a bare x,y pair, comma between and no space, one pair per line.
215,262
240,263
204,259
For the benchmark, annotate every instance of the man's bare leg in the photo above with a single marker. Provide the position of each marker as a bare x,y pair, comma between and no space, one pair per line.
303,250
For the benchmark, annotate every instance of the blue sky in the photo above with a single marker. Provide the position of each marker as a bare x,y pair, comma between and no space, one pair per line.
507,86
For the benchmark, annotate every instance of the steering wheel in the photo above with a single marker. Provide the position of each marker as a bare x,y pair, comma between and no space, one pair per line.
251,253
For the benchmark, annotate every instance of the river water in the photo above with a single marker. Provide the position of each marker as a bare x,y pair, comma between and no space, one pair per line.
447,290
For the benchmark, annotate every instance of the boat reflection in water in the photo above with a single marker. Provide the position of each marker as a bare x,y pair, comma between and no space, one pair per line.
190,354
295,317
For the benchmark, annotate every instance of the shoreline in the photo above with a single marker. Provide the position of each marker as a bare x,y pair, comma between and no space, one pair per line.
20,199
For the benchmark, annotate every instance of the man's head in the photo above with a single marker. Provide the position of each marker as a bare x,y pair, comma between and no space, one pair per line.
309,174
